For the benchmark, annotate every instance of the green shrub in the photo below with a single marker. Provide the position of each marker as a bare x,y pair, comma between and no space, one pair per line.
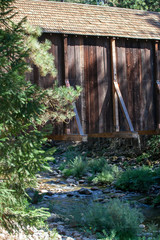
154,146
78,166
107,175
156,201
142,157
114,216
96,165
67,172
153,149
139,179
71,154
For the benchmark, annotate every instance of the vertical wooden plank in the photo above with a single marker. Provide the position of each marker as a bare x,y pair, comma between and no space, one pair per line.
66,57
150,86
114,78
108,79
143,98
147,105
157,78
100,79
91,83
82,83
87,88
72,74
77,73
135,86
129,63
122,79
60,66
66,76
95,89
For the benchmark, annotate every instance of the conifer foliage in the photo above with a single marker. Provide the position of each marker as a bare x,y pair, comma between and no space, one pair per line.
22,109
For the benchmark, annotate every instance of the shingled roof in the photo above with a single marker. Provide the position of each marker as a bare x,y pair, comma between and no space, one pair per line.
83,19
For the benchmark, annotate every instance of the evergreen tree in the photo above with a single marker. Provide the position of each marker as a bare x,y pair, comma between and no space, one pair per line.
148,5
22,110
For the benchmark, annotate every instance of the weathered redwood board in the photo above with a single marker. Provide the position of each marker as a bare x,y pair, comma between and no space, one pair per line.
89,67
157,77
135,63
88,63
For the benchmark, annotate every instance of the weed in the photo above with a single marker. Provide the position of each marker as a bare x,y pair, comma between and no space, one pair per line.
62,166
154,229
154,146
71,154
139,179
142,157
156,201
96,165
67,172
107,175
78,166
114,217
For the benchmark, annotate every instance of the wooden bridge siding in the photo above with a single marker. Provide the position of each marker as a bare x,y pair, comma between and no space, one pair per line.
48,81
89,67
98,85
57,51
91,85
104,85
158,91
135,67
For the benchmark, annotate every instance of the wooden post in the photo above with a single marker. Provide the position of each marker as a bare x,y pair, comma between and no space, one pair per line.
114,79
157,90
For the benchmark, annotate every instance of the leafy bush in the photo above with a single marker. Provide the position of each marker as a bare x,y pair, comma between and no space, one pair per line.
96,165
67,172
152,151
107,175
139,179
154,146
142,157
156,201
114,216
76,168
71,154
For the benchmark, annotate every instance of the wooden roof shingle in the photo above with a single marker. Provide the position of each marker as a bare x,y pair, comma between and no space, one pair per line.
84,19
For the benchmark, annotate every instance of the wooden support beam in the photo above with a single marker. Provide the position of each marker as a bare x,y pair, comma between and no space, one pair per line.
114,79
121,134
69,137
123,106
80,129
125,134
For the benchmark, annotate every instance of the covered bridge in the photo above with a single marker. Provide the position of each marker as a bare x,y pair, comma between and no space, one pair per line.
113,53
